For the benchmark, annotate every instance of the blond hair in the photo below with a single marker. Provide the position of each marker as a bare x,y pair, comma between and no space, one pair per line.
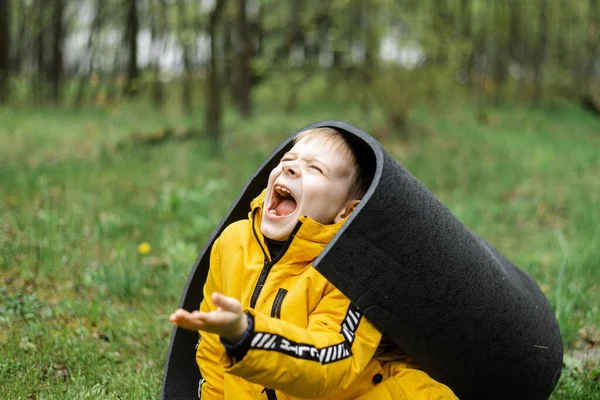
338,143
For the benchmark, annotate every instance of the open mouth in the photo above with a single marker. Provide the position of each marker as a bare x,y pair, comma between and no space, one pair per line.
282,204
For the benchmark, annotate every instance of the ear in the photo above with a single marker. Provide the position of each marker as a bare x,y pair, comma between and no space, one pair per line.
347,210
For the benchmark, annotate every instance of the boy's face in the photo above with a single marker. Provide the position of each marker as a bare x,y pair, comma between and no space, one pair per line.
312,180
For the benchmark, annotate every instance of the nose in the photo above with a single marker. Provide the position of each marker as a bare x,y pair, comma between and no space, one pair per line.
291,168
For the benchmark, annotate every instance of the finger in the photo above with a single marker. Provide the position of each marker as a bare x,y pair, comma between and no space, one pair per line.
191,321
226,303
178,315
216,319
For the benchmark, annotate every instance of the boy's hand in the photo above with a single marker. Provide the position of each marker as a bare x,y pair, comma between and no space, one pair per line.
227,321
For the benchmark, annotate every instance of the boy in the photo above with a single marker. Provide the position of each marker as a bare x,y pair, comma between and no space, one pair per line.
271,326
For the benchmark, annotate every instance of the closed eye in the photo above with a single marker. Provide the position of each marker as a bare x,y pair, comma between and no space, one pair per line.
316,168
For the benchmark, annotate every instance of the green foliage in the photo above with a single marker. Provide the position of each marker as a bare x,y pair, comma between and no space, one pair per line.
578,381
397,92
19,307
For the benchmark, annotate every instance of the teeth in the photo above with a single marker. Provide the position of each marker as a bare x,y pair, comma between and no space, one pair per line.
282,189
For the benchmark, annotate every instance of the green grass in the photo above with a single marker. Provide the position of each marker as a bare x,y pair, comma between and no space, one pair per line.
84,314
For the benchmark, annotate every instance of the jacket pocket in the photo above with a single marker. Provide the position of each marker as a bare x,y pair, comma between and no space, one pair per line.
278,302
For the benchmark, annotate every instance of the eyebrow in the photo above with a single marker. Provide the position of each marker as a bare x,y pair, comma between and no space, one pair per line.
309,159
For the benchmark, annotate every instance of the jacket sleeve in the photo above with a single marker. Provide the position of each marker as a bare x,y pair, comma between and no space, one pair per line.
210,354
320,360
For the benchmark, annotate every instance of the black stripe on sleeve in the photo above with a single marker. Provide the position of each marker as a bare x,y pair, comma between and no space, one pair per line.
325,355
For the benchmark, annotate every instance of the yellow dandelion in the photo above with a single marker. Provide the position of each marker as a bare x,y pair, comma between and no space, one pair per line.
144,248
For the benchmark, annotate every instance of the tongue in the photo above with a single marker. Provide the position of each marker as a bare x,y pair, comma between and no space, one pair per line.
286,207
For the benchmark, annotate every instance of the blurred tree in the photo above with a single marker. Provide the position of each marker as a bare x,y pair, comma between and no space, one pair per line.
4,49
563,46
213,91
593,40
158,39
465,30
464,17
516,44
442,22
244,51
186,40
536,47
540,51
293,47
515,33
589,88
58,35
132,28
363,46
501,52
293,51
21,14
480,54
88,71
228,56
39,50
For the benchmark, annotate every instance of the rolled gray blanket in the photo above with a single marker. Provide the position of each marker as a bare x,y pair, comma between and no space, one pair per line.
458,307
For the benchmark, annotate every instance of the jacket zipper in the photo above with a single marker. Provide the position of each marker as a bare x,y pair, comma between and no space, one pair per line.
278,302
276,310
276,313
271,395
269,264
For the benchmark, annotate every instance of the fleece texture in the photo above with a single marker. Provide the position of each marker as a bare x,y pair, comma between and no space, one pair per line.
459,308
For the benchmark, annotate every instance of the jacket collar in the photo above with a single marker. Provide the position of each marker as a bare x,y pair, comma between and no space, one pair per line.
310,240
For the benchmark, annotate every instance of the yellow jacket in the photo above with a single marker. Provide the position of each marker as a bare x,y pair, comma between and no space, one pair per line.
309,340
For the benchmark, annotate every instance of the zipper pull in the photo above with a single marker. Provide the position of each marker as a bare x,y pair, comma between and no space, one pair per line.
270,394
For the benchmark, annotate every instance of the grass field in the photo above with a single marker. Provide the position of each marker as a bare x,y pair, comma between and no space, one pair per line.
97,238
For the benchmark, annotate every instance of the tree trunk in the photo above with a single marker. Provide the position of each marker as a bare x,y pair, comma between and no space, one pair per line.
113,92
465,73
527,48
294,35
480,59
593,39
39,80
131,32
158,28
322,21
213,92
501,51
540,53
228,68
442,21
56,72
563,47
515,35
22,38
516,43
244,51
4,49
85,77
368,69
294,50
465,17
184,40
